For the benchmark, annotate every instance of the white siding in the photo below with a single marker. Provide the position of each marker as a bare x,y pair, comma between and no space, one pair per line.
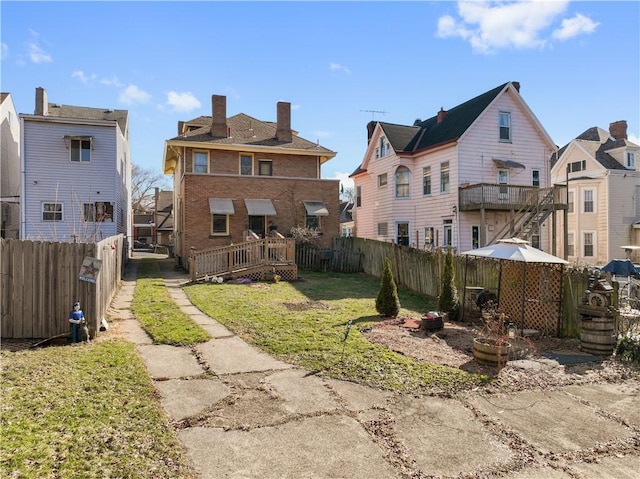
621,207
50,176
10,169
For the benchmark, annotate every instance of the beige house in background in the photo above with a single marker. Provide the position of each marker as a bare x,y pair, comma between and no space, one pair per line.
601,169
9,169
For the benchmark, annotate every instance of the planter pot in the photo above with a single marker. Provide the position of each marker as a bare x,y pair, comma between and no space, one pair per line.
490,351
432,323
597,336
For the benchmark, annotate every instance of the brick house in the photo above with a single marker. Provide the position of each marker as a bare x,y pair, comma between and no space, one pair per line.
239,178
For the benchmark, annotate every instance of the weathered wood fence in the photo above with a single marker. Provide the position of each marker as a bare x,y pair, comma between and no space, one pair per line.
421,270
39,284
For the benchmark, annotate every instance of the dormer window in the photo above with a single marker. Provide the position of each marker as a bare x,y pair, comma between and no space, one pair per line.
631,160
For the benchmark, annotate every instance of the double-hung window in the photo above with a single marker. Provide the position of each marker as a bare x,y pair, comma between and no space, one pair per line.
444,177
265,168
535,177
246,165
219,224
200,162
505,126
52,211
571,244
426,180
570,202
81,150
382,179
403,176
588,205
587,243
631,160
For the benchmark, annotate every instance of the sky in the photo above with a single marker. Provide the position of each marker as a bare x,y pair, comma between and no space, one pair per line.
339,64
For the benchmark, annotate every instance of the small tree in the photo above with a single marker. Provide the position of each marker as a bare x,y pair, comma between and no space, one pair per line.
387,302
448,299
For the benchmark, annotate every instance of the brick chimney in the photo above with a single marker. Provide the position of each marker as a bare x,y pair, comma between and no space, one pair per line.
283,131
370,127
219,114
442,114
42,102
618,129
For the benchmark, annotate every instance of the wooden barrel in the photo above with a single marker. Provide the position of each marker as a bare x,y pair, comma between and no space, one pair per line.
598,336
490,353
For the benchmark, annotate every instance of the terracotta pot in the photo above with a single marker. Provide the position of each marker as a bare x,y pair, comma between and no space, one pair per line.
491,351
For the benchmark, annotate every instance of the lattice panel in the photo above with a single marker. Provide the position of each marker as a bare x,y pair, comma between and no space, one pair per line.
539,307
265,273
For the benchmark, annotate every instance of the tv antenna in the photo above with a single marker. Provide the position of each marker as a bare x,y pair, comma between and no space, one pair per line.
373,112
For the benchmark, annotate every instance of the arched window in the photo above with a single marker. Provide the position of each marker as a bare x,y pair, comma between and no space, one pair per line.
403,176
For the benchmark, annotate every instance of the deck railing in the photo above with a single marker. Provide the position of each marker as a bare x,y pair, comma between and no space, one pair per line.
508,197
241,256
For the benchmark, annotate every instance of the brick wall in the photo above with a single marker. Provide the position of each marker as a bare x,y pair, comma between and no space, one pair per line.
287,195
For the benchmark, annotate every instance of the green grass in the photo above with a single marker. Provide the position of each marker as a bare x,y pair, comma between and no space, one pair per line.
158,314
304,323
84,411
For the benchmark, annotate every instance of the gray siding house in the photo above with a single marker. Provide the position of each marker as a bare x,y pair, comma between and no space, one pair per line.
76,172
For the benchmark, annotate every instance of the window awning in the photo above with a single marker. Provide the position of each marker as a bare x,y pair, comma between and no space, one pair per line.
316,208
221,206
260,207
507,163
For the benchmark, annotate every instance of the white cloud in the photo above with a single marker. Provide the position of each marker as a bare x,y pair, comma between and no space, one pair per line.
80,75
345,181
572,27
132,94
185,101
493,25
38,55
4,51
336,67
113,81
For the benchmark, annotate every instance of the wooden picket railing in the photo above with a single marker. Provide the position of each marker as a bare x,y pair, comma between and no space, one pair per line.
241,258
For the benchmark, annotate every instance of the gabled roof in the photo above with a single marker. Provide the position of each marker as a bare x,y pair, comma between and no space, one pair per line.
399,136
597,142
87,113
3,95
246,130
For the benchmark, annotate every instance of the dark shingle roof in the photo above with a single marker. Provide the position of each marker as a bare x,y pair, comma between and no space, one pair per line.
399,135
246,130
3,95
86,113
597,135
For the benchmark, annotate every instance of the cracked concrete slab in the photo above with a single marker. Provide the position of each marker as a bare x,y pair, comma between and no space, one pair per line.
425,425
319,447
131,329
169,361
551,420
182,398
540,473
358,397
301,392
610,468
233,355
216,330
620,399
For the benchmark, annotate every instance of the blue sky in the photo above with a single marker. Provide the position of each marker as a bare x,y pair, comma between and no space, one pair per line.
578,63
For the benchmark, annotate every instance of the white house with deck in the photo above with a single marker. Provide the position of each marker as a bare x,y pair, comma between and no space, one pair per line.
76,172
465,178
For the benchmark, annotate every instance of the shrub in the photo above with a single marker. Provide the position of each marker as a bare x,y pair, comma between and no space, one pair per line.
387,302
448,299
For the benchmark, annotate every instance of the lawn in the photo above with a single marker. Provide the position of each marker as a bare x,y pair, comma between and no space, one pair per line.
84,411
306,323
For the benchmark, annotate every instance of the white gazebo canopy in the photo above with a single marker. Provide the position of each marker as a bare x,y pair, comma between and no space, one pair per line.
515,249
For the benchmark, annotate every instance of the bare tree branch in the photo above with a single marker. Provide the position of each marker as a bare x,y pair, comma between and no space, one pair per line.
143,185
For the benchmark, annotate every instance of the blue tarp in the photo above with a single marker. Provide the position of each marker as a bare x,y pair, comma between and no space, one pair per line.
621,267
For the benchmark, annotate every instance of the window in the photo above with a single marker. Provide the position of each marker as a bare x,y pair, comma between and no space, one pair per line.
588,206
503,181
535,241
81,150
444,177
104,211
265,168
382,229
577,166
312,222
426,180
52,211
588,243
358,196
402,182
377,153
535,177
505,126
88,210
428,236
200,162
402,237
570,202
385,148
219,225
246,165
571,245
382,179
475,237
448,233
631,160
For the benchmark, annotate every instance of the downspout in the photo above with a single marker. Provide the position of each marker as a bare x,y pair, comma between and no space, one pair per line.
23,205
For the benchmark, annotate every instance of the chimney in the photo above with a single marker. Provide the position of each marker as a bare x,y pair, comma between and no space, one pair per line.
441,116
219,114
618,129
180,127
283,131
42,102
370,127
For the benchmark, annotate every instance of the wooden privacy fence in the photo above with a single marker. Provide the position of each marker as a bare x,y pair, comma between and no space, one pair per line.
40,284
421,270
